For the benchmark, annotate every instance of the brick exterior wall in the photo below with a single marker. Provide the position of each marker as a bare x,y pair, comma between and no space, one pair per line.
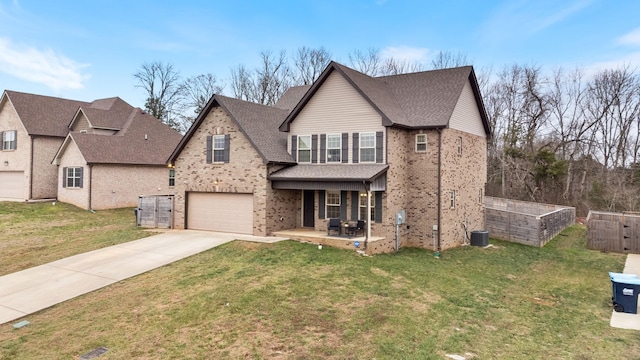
246,172
45,174
111,186
16,160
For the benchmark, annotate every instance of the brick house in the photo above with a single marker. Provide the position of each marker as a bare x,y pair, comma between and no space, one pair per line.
350,146
113,153
32,128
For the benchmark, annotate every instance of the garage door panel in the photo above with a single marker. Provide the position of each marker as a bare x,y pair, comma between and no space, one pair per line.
12,184
220,212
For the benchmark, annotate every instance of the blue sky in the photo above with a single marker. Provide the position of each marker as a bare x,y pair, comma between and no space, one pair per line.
86,50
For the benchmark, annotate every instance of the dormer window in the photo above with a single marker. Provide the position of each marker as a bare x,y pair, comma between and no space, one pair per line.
304,149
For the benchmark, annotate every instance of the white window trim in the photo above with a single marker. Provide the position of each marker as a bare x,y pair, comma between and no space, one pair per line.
298,150
459,145
360,147
172,176
339,148
9,142
363,195
480,196
326,202
218,150
73,174
421,143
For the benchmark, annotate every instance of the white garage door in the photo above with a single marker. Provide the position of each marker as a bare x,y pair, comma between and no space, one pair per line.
220,212
11,185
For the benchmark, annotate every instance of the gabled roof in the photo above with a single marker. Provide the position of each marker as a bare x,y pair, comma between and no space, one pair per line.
259,123
292,97
143,140
108,113
415,100
44,115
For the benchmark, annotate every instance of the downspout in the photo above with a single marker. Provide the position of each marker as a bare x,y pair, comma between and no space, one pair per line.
367,188
31,169
437,254
90,187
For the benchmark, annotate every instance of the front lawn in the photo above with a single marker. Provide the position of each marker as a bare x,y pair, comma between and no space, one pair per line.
293,301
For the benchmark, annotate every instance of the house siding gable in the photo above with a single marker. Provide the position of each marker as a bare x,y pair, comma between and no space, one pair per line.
466,116
80,123
72,157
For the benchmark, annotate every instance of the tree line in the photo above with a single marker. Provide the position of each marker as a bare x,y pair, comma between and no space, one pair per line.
558,136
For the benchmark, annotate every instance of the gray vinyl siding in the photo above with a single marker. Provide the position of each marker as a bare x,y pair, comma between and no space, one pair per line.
466,116
337,108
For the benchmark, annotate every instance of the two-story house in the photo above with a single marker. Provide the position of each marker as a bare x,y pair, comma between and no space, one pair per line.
354,147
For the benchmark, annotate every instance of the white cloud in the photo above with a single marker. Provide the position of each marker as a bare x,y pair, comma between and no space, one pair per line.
406,53
41,66
631,38
632,60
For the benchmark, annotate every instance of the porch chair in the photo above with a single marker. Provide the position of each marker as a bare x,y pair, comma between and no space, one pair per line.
334,224
360,227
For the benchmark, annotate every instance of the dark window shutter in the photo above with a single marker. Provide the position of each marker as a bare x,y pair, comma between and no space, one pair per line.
323,148
1,140
209,149
294,147
356,147
379,147
345,147
322,197
80,175
314,149
355,205
378,210
343,205
64,177
227,148
15,140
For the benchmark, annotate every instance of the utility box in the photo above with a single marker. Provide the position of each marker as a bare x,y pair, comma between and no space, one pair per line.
479,238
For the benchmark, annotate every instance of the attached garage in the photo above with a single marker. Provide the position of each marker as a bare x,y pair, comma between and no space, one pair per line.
12,185
222,212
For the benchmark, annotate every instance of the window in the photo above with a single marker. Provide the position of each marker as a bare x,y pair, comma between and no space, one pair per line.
333,204
304,149
73,177
218,148
172,177
334,148
452,199
421,143
367,147
480,197
459,145
9,140
363,207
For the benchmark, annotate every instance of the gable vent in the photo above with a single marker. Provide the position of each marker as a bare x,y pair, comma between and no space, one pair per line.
218,131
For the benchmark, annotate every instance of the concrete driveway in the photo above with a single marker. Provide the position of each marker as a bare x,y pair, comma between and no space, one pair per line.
25,292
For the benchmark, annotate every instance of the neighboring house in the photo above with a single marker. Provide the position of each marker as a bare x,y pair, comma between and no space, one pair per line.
353,147
32,127
112,154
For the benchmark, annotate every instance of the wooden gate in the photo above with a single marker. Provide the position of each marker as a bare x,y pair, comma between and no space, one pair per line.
615,232
155,211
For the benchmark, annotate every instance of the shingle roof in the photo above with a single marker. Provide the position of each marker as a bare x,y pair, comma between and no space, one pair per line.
342,172
144,140
110,113
258,122
415,100
291,97
44,115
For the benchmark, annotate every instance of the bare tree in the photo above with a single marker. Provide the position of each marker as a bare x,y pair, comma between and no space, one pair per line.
448,59
368,62
310,63
266,83
162,86
392,66
196,90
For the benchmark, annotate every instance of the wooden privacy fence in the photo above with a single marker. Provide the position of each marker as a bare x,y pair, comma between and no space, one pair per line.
615,232
155,211
526,222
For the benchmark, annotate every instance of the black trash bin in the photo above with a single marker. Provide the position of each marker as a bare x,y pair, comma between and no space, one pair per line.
624,289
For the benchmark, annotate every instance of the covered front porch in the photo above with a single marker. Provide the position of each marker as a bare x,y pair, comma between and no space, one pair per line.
374,245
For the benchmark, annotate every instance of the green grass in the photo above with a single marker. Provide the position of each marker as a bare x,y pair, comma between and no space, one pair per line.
38,233
293,301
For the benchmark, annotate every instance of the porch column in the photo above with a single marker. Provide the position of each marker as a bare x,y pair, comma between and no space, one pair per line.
368,214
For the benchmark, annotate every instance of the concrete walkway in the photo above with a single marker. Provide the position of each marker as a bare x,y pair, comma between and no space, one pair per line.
25,292
625,320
